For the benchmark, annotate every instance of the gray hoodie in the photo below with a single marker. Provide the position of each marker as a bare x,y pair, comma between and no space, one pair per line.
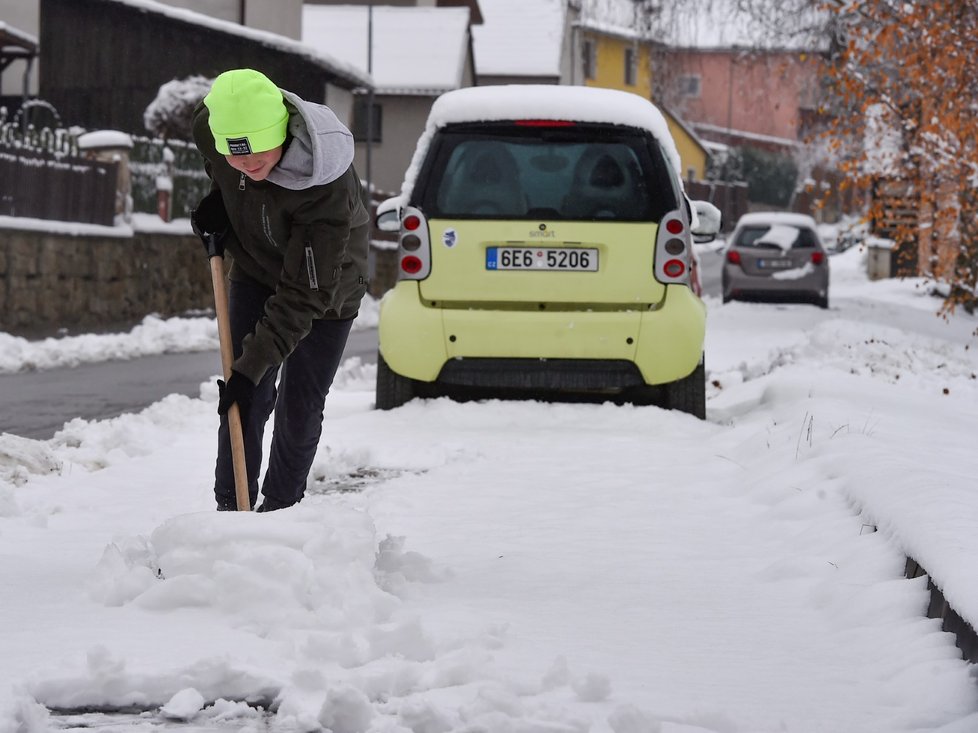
321,149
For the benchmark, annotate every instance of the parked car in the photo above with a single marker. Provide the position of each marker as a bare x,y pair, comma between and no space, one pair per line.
776,256
544,247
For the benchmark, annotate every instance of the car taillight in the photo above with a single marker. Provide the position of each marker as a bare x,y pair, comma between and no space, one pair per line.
674,268
818,258
673,250
411,265
411,242
544,123
733,256
414,251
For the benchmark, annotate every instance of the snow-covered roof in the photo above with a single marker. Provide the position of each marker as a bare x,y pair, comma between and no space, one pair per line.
685,127
705,128
273,40
416,50
9,33
542,102
519,38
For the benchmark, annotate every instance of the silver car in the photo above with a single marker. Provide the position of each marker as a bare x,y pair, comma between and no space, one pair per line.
776,256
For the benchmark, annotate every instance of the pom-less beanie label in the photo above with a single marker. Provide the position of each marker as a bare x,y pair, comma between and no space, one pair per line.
239,146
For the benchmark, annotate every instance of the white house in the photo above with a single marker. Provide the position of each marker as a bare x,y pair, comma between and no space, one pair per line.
525,42
416,54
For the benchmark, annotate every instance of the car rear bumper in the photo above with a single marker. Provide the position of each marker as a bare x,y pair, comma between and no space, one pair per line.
663,343
738,283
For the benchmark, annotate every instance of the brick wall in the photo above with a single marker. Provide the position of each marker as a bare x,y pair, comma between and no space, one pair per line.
51,280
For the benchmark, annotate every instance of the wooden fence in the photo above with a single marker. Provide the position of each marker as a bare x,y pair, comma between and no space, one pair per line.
45,186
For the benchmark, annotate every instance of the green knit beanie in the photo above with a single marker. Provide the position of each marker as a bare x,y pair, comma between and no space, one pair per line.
247,113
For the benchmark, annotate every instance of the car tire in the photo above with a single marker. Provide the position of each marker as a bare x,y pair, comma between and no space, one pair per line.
822,302
689,393
393,390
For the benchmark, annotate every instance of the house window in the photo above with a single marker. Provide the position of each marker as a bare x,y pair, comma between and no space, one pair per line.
631,67
360,106
588,59
689,85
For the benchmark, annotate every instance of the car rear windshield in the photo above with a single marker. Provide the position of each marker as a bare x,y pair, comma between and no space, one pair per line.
776,236
578,172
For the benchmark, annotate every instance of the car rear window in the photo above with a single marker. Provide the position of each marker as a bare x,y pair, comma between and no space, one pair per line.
776,236
579,172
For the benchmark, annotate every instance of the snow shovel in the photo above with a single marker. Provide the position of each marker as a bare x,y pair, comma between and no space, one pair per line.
210,222
227,358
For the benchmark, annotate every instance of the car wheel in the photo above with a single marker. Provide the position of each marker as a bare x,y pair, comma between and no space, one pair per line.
822,302
688,394
393,390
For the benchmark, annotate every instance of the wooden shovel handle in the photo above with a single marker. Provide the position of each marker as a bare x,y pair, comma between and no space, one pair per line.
227,358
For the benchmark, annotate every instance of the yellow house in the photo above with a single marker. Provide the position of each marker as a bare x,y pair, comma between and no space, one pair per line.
692,151
619,59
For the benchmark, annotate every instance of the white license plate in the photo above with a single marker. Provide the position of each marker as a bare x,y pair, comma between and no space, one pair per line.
774,264
575,259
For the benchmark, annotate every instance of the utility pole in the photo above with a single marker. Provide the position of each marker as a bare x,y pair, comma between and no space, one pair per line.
370,97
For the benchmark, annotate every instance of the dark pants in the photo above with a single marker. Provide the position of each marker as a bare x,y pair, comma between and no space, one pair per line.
306,375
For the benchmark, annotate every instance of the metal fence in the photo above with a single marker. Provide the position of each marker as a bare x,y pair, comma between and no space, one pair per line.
44,175
176,161
49,186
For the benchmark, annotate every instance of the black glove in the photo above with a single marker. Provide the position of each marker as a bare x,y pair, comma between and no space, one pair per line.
238,389
210,222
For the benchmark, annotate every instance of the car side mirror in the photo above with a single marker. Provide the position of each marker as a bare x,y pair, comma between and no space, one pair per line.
389,215
707,220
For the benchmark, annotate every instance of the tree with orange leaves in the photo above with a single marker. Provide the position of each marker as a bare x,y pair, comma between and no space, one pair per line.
904,118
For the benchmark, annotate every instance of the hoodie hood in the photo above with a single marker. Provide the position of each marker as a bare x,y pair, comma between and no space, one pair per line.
321,149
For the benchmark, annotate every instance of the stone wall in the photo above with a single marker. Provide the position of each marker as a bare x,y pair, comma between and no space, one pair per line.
88,282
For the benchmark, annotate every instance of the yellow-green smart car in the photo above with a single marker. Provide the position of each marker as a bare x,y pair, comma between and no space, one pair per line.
544,248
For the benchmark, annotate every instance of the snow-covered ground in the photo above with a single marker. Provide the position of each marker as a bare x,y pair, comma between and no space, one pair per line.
506,567
154,335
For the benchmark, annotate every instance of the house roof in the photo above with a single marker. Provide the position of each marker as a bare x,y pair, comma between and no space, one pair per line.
475,12
520,38
685,127
16,39
416,50
705,128
323,59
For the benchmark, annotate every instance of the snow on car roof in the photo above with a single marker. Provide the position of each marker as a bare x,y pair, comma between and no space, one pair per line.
785,218
541,102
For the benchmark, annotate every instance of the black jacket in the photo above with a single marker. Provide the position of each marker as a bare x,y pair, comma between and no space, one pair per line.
302,232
